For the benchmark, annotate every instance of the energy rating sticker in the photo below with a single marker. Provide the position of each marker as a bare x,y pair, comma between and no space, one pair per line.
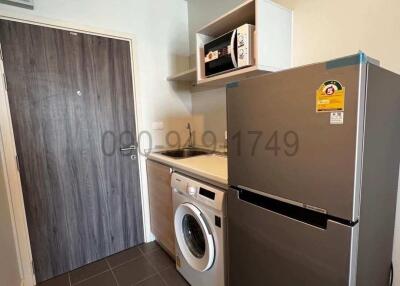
337,118
330,97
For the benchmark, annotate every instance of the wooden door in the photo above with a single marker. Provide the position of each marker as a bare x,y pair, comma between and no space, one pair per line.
72,106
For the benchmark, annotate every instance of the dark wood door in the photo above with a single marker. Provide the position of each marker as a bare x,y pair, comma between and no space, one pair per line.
72,107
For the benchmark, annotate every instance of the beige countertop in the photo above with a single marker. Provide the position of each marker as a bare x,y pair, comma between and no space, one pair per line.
213,167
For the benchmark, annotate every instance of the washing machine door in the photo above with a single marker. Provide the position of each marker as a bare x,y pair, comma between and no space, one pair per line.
194,237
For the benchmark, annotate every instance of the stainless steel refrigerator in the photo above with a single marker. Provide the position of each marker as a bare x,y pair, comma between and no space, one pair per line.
313,165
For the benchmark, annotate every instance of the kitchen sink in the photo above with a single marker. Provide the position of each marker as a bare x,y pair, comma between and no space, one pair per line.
185,153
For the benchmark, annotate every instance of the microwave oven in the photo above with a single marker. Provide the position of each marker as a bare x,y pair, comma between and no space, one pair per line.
231,51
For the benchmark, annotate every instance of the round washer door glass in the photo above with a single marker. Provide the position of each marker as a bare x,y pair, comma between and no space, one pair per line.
194,238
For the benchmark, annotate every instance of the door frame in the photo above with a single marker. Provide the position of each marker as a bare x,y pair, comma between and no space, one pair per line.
8,148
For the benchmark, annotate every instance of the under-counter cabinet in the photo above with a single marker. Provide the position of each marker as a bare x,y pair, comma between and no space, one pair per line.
161,209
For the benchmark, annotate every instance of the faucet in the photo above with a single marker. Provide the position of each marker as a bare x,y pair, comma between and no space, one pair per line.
190,144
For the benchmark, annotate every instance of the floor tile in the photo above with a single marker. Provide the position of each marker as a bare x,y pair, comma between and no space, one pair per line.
152,281
149,247
88,271
172,277
160,260
130,268
61,280
105,279
133,272
124,256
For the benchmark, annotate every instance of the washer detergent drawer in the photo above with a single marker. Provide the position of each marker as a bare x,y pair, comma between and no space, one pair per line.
269,248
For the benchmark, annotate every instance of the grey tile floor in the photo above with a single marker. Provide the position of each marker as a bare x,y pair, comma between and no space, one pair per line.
144,265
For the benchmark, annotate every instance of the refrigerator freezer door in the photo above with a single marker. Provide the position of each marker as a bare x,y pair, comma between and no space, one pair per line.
266,248
279,144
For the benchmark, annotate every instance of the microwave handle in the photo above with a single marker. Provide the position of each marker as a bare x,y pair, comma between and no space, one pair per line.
233,56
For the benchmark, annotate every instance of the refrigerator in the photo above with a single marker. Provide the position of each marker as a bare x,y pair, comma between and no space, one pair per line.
313,168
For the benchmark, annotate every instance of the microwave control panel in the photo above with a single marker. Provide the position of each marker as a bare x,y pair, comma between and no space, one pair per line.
245,45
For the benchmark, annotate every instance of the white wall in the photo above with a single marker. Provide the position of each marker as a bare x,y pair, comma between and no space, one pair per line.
329,29
161,30
9,268
209,114
201,12
209,107
325,30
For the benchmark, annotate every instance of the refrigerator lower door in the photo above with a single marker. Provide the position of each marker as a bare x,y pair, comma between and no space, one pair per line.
267,248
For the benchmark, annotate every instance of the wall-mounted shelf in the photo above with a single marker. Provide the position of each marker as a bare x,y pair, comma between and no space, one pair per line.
272,40
186,76
19,3
223,79
189,77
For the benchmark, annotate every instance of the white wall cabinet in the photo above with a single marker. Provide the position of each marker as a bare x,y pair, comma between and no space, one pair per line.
272,39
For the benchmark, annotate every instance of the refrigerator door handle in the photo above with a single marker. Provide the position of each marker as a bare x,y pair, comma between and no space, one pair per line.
298,211
291,202
295,212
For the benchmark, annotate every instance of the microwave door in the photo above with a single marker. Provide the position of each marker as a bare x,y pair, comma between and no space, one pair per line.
220,54
234,49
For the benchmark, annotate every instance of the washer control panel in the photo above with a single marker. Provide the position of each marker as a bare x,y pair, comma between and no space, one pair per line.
198,191
192,191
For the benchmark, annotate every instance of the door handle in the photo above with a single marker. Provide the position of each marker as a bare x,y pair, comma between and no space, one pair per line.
128,148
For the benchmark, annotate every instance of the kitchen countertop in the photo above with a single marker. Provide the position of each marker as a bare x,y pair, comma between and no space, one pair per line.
213,166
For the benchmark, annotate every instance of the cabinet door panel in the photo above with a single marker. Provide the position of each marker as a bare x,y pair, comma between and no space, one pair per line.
161,209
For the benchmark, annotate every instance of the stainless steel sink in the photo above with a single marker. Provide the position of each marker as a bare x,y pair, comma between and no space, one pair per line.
185,153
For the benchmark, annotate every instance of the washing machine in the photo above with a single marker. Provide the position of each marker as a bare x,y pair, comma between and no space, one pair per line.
199,221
